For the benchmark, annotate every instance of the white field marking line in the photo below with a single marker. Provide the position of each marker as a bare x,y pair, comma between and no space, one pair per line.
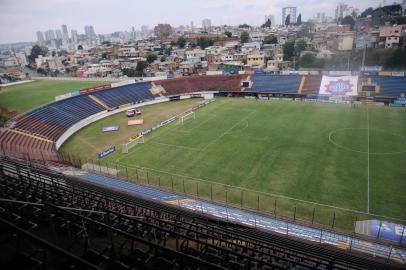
258,192
244,128
177,146
227,131
330,138
368,161
199,125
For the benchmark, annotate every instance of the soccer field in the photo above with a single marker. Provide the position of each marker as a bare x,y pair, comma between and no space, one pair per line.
288,156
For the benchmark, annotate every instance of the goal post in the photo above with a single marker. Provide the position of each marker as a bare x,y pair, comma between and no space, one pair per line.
132,143
186,116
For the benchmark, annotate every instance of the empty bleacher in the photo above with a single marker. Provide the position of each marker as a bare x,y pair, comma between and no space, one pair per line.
132,93
227,83
285,84
390,86
311,85
63,223
53,119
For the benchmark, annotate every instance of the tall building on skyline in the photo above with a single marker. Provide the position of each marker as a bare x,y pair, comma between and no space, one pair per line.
286,11
58,34
49,35
206,23
65,32
40,36
74,34
89,31
144,31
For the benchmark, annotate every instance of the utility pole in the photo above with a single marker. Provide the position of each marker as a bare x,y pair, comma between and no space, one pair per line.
363,57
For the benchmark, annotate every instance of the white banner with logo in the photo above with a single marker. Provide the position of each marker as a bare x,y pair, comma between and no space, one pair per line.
339,86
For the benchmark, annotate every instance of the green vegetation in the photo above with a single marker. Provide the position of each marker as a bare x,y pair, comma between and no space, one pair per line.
245,37
299,19
267,24
37,51
27,96
228,34
257,153
151,57
390,59
204,42
270,39
181,42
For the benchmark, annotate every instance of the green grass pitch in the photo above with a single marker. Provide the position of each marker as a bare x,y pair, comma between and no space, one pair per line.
24,97
301,156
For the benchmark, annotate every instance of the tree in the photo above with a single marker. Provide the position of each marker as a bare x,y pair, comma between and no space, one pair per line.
181,42
288,50
348,20
245,37
367,12
36,51
151,57
267,24
310,61
299,19
228,33
287,20
168,51
129,72
163,58
300,47
244,26
270,39
141,65
204,42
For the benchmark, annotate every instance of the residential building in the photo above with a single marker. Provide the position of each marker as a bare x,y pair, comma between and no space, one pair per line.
163,30
286,11
345,41
392,35
255,59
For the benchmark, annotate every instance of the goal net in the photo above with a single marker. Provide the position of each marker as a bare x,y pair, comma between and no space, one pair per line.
132,143
186,116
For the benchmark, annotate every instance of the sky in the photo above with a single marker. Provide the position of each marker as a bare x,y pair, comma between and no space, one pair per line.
21,19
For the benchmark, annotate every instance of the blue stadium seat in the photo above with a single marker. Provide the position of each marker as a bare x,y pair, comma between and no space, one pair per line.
279,84
390,86
117,96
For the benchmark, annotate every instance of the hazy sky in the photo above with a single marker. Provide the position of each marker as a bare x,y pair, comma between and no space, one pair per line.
20,19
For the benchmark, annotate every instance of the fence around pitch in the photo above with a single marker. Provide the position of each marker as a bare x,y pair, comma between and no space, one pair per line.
304,212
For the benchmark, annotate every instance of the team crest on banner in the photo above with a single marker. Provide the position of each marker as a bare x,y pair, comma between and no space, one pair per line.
339,86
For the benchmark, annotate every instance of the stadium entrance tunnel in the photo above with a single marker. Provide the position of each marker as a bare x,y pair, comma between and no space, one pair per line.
368,141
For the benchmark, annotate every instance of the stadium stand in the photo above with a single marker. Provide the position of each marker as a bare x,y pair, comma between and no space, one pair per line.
390,86
132,93
286,84
311,85
230,83
50,221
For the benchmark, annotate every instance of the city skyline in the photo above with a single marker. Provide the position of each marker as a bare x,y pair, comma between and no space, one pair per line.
20,22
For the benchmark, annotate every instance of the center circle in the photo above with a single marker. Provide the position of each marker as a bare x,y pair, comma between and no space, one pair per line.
368,141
